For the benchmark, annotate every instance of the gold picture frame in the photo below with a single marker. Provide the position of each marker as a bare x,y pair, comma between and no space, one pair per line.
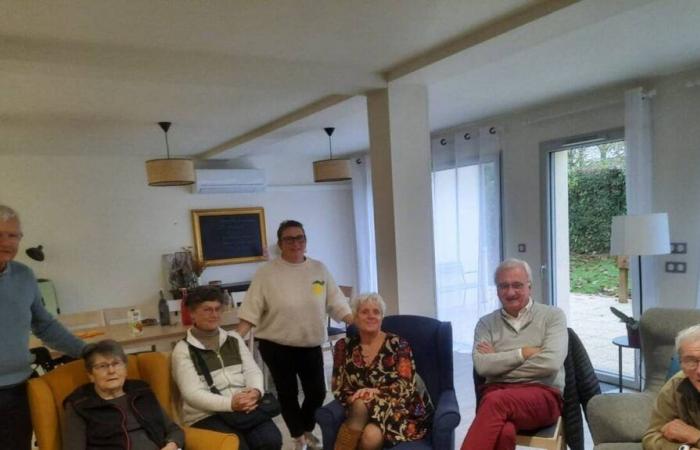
229,235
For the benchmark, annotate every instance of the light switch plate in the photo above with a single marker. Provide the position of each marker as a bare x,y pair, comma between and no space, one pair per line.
522,248
675,267
679,247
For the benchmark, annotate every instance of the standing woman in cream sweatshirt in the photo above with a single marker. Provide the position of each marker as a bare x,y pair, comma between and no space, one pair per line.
287,303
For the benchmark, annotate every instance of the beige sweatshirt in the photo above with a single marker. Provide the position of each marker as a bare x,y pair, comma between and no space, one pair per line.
288,302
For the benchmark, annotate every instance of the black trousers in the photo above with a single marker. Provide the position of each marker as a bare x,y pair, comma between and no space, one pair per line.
265,436
286,363
15,421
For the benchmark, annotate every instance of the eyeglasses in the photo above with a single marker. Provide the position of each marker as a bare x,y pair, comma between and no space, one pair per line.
516,286
210,311
291,239
104,367
14,237
690,363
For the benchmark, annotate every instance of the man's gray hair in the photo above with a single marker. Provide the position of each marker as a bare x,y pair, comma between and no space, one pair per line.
7,213
690,334
513,263
361,299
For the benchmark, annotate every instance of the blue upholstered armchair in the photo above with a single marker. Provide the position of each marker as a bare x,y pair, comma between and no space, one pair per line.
431,342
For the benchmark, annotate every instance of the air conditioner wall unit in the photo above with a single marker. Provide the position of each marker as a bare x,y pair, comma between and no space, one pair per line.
222,181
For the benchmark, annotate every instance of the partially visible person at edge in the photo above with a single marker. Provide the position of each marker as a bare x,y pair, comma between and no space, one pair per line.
675,420
374,377
287,303
233,371
520,350
113,412
22,312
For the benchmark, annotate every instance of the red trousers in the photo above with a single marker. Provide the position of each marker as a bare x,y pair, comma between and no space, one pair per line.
506,408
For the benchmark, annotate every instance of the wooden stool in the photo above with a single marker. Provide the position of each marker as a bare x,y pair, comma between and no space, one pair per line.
550,438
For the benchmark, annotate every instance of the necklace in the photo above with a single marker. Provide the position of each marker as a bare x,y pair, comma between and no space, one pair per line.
369,351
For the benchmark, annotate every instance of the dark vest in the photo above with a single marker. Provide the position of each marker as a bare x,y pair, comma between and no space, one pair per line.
104,421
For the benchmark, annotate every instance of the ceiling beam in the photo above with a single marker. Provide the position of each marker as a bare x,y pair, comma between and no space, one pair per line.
276,124
497,27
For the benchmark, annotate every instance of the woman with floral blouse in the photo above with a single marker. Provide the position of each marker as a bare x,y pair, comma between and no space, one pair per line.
374,378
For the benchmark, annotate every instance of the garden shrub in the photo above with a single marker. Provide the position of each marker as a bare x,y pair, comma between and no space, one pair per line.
595,196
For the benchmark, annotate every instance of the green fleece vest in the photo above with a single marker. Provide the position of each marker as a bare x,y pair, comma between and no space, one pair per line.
229,353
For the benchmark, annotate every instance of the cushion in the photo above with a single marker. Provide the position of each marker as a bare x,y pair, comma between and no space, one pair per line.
674,367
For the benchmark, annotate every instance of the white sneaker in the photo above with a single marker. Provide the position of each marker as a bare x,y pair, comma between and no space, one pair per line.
312,441
300,443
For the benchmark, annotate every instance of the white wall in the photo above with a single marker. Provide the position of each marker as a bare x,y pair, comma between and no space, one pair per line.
675,109
104,230
676,113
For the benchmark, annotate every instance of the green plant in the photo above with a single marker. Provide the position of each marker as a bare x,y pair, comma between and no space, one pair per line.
595,196
631,323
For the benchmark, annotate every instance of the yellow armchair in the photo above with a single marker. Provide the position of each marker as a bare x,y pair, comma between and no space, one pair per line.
46,395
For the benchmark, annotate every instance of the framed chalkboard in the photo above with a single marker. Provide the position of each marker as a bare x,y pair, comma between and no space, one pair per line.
229,236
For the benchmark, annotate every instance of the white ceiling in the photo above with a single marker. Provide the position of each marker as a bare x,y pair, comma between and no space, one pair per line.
94,76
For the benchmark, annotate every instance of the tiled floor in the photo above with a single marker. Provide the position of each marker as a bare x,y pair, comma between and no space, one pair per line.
592,320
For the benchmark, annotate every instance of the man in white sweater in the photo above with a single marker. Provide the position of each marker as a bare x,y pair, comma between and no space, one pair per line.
520,350
287,302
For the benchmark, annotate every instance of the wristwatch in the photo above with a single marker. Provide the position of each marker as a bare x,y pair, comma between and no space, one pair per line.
684,447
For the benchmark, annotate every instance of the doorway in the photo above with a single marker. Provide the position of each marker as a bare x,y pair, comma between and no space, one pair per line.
584,188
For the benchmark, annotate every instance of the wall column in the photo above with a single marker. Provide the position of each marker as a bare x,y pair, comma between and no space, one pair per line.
399,136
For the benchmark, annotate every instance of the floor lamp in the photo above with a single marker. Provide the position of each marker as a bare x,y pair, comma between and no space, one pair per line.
640,235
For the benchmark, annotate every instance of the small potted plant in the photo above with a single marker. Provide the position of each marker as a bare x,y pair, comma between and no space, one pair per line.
184,272
633,336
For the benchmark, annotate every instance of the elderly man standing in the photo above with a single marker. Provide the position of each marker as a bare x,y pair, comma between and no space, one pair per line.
520,350
675,420
22,311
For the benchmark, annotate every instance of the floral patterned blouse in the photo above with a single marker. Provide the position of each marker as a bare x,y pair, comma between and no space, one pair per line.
400,411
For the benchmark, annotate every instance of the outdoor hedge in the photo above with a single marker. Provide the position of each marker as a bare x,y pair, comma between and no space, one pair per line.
595,196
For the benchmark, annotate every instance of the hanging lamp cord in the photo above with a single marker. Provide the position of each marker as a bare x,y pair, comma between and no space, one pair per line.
167,145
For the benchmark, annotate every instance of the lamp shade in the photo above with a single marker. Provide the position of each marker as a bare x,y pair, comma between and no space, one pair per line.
170,172
36,253
332,170
641,234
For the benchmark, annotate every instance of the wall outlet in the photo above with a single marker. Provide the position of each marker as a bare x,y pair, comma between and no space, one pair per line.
675,267
522,248
679,247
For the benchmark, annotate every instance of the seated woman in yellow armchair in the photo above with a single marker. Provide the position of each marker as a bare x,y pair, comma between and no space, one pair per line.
113,412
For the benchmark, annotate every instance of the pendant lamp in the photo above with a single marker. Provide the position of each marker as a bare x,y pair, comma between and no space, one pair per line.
169,171
331,169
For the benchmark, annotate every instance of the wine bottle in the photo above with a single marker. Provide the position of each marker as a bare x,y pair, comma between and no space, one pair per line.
163,311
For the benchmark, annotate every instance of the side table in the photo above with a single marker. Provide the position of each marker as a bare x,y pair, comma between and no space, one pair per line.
621,342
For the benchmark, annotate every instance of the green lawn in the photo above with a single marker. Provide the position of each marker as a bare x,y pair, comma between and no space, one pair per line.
594,274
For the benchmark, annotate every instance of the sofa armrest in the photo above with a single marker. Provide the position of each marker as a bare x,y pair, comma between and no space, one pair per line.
445,420
199,439
619,417
329,418
44,414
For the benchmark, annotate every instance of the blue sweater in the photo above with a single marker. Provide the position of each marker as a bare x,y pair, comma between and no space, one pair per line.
21,310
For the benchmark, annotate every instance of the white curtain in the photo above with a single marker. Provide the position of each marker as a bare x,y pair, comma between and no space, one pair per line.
467,226
639,179
363,206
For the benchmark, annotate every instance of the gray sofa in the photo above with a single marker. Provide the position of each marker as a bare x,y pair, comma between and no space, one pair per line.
618,421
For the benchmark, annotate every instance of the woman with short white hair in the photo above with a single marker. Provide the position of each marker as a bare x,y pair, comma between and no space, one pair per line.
374,377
